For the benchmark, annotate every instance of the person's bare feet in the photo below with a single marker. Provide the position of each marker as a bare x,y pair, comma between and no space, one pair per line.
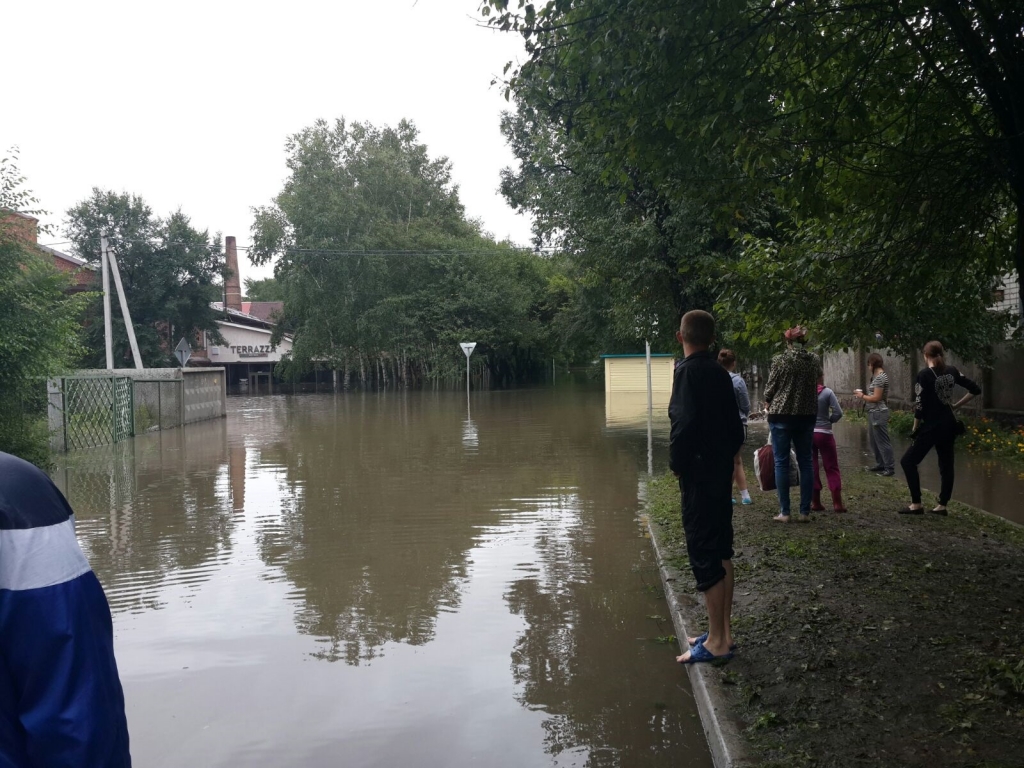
716,649
692,641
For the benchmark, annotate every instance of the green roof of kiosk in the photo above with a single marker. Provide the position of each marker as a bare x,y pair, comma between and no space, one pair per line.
659,354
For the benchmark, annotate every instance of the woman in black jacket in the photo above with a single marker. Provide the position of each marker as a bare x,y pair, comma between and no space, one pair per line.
935,424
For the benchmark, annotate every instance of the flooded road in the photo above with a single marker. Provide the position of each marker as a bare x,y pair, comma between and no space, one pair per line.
378,580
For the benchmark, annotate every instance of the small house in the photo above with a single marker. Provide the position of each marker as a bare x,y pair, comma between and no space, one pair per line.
628,373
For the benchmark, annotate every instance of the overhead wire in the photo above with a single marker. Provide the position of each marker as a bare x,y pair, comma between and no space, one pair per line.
411,251
493,250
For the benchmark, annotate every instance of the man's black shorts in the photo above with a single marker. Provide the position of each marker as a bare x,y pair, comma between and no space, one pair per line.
707,521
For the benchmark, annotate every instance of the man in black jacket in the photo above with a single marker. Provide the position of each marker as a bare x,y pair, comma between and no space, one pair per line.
706,434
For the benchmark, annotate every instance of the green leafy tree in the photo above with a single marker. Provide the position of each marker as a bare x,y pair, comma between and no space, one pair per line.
39,325
381,272
267,289
865,158
631,253
171,273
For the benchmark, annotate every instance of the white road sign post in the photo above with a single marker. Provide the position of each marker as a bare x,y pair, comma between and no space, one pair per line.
467,348
183,352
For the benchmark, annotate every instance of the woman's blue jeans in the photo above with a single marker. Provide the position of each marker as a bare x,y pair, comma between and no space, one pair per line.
799,437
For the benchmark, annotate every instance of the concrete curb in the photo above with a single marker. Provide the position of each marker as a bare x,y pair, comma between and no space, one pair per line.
723,732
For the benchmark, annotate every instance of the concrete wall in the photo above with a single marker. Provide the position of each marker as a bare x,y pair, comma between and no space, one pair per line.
163,397
205,392
1004,386
157,404
1002,391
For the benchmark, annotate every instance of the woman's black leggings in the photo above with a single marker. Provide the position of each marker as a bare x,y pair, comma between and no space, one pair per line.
941,437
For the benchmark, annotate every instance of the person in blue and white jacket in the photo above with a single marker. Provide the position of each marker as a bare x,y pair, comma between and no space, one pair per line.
61,703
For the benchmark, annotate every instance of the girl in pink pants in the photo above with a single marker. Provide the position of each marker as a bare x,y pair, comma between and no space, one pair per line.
829,413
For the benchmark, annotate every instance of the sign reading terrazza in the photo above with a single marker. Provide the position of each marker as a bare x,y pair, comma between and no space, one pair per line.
253,350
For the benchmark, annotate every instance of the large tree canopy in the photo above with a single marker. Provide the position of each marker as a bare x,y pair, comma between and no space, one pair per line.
629,250
171,273
862,164
381,272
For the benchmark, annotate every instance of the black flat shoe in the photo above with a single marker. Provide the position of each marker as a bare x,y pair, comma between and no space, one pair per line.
909,511
876,469
889,473
943,512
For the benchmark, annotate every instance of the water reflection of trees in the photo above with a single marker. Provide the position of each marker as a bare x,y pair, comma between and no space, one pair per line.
384,500
574,658
369,507
152,507
379,515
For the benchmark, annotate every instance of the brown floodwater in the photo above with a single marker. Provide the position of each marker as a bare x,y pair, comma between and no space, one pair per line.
384,580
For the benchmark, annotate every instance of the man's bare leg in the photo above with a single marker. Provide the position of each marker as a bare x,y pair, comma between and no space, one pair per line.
714,599
730,584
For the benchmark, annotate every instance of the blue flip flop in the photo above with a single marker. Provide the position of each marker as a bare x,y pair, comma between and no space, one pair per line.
700,640
699,655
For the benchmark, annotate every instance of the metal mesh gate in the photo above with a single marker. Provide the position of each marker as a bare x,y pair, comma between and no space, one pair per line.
97,410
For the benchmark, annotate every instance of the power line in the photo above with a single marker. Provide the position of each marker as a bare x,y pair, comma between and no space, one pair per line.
411,252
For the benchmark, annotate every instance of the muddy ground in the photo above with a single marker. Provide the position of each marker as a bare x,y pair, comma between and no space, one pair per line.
870,638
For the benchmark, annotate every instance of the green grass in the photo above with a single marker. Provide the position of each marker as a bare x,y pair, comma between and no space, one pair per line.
844,588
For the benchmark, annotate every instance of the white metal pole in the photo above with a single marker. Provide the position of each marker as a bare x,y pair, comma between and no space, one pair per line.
650,444
467,376
650,414
107,332
125,314
650,389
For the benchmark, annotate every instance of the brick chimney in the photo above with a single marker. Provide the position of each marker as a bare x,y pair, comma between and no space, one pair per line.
232,283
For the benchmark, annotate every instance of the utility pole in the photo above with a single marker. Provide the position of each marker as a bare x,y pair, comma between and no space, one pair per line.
107,332
125,314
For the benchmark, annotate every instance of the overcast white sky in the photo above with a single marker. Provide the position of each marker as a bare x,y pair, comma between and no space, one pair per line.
188,104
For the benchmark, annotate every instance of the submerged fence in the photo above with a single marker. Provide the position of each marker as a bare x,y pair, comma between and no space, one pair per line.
96,407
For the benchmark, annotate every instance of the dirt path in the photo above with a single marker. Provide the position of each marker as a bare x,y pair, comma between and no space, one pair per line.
871,638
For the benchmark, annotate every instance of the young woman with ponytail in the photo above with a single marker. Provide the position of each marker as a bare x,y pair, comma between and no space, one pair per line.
935,424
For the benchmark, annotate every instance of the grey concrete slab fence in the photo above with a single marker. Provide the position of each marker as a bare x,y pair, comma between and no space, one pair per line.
1001,384
97,407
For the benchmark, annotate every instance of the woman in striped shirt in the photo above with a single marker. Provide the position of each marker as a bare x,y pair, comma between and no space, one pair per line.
877,402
